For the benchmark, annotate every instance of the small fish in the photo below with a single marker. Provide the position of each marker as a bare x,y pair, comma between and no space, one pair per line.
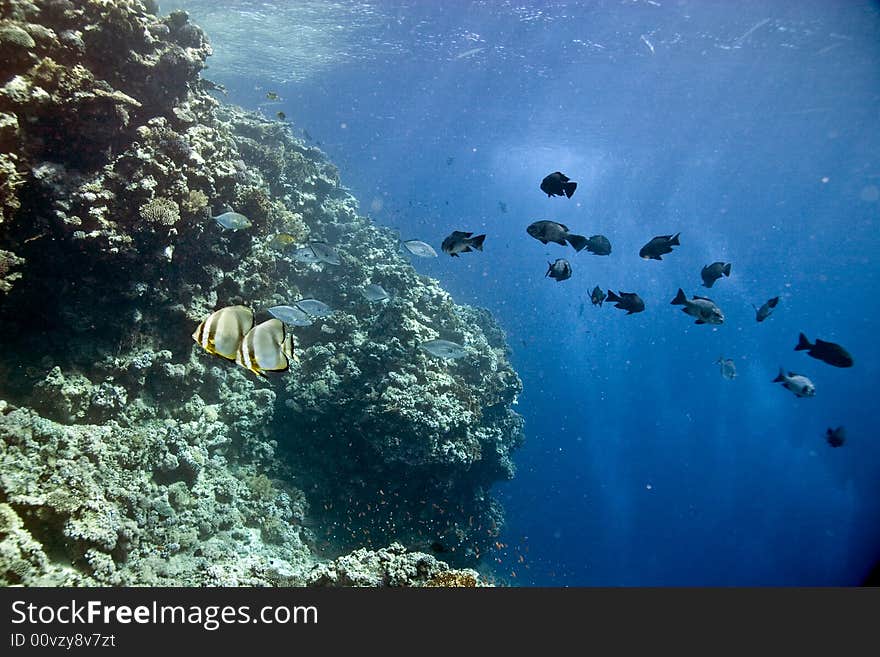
560,270
325,253
502,206
439,547
221,332
449,161
419,248
461,242
551,231
232,221
800,385
267,347
281,115
766,309
728,368
599,245
314,307
290,315
444,349
835,437
659,246
306,134
597,296
827,352
374,292
281,241
711,273
702,308
306,255
557,184
628,301
271,95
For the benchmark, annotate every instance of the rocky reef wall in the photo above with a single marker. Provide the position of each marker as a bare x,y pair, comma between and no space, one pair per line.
129,455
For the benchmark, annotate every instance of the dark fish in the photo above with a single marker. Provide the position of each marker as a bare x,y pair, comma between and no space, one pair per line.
461,242
702,308
557,184
597,296
835,437
449,161
800,385
713,272
560,270
628,301
502,206
599,245
281,115
766,309
728,367
658,246
439,547
325,253
551,231
828,352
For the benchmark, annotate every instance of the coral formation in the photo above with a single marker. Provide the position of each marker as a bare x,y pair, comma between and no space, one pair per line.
128,455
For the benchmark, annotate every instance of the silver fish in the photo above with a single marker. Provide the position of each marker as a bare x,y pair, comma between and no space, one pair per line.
419,248
290,315
444,349
702,308
374,292
314,307
306,255
800,385
728,368
232,221
325,253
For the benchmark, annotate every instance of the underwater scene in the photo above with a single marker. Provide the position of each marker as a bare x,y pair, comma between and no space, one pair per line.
404,293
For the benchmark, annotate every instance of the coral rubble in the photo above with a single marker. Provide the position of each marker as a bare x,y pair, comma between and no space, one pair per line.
129,456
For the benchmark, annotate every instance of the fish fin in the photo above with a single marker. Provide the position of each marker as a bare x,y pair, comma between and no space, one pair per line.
674,241
454,255
477,242
803,343
703,298
680,298
699,321
708,284
726,270
612,297
569,188
579,242
542,240
780,377
466,249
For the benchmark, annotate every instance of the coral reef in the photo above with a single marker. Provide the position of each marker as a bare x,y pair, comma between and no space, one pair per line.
128,455
391,566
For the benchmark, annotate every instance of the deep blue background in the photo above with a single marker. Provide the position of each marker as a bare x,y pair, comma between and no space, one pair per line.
753,128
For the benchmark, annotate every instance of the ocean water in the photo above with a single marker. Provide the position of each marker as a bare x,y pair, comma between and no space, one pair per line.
752,128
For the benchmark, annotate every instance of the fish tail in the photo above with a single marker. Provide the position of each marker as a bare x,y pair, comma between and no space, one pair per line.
803,343
780,377
726,269
680,298
612,297
569,188
477,242
579,242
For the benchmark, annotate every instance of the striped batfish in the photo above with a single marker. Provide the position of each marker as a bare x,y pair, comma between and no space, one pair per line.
266,347
223,330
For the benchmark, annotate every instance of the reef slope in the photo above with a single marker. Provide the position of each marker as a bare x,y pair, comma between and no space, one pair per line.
128,455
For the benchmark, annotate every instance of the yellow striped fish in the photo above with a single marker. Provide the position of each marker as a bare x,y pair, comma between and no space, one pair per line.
223,330
266,347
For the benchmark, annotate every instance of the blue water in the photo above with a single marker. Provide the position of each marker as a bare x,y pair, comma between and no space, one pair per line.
752,128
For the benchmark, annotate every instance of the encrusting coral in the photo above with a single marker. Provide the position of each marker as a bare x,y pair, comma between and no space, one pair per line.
128,455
